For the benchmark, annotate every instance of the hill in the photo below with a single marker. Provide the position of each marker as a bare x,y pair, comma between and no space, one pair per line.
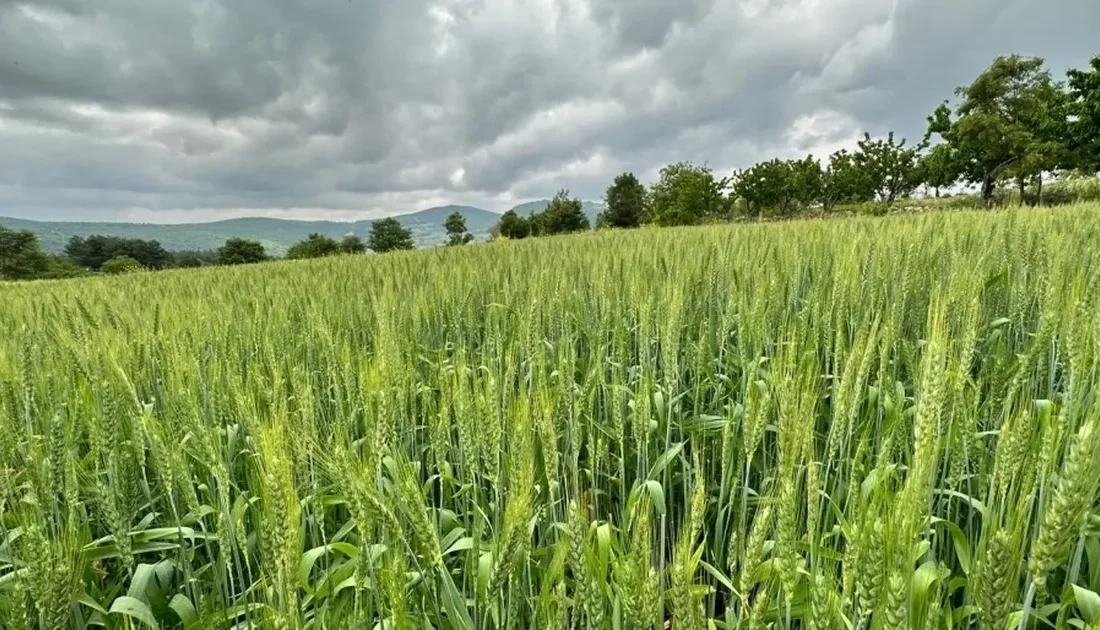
275,234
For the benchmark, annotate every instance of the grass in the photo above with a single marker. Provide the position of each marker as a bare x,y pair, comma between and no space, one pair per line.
868,423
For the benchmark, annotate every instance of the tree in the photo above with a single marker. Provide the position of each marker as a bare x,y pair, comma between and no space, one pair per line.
625,203
845,181
120,265
512,225
939,168
782,186
92,251
239,251
1006,124
889,167
1084,126
60,267
456,230
352,244
314,246
20,256
562,216
388,235
686,194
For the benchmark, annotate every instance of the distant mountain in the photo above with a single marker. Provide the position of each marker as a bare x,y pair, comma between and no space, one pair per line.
592,209
276,234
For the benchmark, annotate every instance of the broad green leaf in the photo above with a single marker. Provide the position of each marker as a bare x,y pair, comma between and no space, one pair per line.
1088,602
664,460
184,609
135,609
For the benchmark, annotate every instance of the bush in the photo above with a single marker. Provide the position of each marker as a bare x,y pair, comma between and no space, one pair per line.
120,265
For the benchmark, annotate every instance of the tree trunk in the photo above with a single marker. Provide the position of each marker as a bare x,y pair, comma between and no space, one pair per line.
1023,195
1039,190
988,185
937,192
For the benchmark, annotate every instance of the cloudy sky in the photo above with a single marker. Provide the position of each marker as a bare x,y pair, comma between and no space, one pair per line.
191,110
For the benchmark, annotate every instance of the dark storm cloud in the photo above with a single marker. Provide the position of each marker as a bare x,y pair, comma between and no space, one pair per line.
207,108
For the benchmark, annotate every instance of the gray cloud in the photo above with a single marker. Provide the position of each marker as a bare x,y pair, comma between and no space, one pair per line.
124,109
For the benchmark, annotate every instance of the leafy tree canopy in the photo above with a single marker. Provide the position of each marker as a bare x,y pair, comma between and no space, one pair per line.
120,265
1084,125
1006,125
313,246
625,203
512,225
889,167
687,194
782,186
456,230
92,251
239,251
388,235
20,256
561,216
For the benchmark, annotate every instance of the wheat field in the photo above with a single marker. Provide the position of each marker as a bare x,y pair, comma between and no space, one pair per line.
852,424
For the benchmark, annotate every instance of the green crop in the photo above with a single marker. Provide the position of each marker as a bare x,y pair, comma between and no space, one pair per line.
851,424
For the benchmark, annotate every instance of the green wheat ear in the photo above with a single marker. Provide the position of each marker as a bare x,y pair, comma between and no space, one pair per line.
1066,513
781,425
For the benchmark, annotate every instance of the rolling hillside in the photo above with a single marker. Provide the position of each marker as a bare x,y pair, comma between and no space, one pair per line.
275,234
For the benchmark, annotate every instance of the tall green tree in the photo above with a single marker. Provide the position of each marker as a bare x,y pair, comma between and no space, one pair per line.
239,251
1084,126
890,168
387,235
92,251
624,202
352,244
780,186
562,215
20,256
513,226
939,168
456,230
845,181
1003,126
687,194
314,246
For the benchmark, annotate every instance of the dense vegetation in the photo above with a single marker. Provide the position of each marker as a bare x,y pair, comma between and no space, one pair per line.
276,235
871,423
21,257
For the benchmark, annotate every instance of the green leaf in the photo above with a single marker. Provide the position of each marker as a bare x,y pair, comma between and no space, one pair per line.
1088,602
927,575
184,609
309,558
462,544
141,582
453,603
656,495
718,575
90,602
962,544
135,609
663,461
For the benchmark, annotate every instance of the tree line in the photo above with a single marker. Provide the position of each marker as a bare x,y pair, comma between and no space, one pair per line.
21,257
1012,126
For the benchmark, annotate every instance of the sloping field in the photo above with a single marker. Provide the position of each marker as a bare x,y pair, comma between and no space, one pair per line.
873,423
